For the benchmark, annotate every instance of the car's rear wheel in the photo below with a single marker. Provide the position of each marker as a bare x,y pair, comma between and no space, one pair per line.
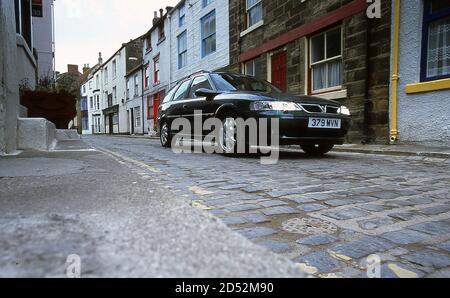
164,135
317,150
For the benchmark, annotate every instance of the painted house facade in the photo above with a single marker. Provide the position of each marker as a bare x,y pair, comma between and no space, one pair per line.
200,37
44,37
135,101
156,67
112,86
420,107
330,49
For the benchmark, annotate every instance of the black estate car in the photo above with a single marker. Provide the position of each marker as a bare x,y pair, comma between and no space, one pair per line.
313,123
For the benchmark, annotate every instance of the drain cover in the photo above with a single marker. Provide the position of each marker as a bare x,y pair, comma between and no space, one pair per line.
308,226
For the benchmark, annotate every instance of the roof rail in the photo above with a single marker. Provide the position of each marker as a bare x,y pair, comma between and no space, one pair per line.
198,72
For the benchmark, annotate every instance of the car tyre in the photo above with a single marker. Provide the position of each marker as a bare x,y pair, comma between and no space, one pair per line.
164,135
317,150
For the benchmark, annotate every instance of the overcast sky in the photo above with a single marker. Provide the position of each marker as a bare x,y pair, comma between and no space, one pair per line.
86,27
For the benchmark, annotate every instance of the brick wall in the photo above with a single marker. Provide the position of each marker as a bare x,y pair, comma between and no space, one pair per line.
366,56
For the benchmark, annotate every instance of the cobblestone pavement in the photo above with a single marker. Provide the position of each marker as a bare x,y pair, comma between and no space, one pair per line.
327,214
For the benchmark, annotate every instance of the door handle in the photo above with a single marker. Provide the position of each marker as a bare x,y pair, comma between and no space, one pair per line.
185,107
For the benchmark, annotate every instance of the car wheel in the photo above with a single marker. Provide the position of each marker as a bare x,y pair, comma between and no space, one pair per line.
317,150
164,135
228,135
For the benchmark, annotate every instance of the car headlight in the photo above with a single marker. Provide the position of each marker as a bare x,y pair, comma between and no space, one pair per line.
344,111
275,106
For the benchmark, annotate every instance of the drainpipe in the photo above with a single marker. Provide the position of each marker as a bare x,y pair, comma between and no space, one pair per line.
395,73
368,105
169,17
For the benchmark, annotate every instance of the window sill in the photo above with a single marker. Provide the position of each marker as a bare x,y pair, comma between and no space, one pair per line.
337,94
437,85
161,41
252,28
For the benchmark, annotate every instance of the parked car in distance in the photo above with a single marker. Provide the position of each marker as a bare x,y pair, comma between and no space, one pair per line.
316,124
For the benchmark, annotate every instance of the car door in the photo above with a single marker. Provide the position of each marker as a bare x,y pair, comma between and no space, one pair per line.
205,109
180,103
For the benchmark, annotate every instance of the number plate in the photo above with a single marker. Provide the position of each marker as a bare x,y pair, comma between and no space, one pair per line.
324,123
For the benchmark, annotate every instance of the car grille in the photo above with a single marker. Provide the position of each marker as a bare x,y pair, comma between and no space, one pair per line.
322,109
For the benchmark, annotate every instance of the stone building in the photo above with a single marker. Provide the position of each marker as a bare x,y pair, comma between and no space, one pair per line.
420,108
329,48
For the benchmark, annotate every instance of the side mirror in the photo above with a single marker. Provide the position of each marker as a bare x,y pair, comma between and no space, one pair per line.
208,93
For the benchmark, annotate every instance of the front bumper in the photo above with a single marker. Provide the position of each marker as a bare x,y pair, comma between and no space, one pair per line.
294,128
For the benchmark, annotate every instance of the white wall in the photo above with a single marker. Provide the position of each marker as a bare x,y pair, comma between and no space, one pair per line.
43,39
119,82
422,118
195,61
161,48
135,100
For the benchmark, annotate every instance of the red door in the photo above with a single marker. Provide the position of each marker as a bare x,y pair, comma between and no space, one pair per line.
156,104
279,71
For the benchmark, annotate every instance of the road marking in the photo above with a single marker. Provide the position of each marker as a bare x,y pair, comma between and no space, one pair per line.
130,160
200,191
402,273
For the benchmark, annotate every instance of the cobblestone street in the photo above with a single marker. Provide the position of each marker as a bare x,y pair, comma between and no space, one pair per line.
327,214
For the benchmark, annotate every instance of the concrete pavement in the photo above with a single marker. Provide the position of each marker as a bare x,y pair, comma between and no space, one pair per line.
120,223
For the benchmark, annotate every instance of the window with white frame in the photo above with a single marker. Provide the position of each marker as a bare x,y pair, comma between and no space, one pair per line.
181,15
128,89
182,50
97,82
114,94
254,12
114,69
98,102
137,117
326,60
156,70
147,76
209,33
90,85
106,75
136,85
91,103
254,68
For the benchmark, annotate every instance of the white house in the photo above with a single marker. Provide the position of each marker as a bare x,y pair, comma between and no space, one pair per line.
113,86
200,37
134,101
156,67
44,37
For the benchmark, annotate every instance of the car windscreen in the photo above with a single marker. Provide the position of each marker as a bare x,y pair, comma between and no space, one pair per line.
231,82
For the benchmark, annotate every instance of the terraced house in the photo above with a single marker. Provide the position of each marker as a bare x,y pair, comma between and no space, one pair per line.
330,48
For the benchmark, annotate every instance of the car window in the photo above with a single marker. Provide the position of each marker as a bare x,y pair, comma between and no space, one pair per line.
182,91
233,82
170,95
199,83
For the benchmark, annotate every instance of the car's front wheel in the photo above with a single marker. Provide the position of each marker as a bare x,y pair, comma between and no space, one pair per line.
228,135
317,150
164,135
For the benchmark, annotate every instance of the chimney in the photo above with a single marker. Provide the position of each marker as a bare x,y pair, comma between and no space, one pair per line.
155,18
86,68
161,12
72,69
100,59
